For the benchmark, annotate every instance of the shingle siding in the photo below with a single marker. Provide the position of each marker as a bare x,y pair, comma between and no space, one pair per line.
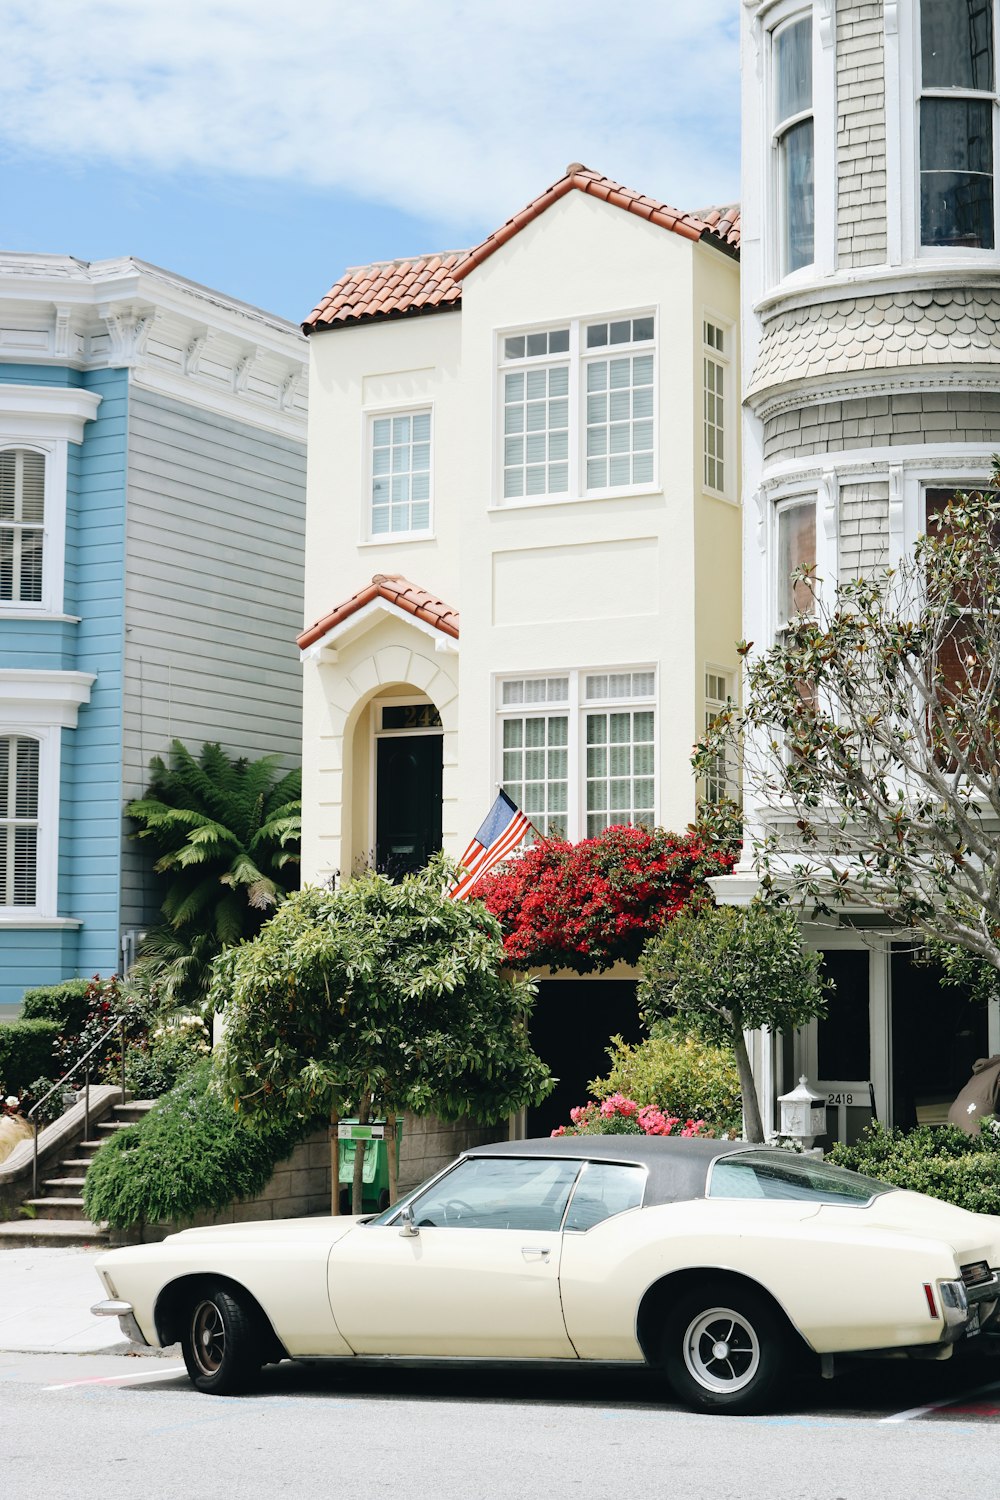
213,602
864,528
885,421
861,163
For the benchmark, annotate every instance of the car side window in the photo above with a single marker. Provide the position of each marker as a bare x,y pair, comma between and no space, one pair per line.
605,1189
498,1192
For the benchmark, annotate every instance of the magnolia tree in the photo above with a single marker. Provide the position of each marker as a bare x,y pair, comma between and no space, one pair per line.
870,738
730,969
380,997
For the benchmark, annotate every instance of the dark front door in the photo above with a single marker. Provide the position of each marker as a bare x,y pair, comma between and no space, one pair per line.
938,1032
407,802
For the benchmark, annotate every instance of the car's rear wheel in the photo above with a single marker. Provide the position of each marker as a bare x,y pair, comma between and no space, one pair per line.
222,1346
725,1349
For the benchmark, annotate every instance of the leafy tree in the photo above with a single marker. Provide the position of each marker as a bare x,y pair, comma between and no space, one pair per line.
586,906
729,969
870,738
385,997
226,834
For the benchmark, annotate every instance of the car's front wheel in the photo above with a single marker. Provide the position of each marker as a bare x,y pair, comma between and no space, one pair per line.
221,1342
725,1349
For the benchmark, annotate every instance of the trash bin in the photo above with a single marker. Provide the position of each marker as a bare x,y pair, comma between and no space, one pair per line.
375,1172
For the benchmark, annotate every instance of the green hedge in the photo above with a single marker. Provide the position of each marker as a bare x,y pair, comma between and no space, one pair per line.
934,1159
192,1152
26,1049
67,1003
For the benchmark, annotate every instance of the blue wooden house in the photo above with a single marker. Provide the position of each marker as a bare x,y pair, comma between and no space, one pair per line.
152,499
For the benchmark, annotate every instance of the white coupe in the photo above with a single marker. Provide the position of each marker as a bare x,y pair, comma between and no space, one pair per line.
718,1262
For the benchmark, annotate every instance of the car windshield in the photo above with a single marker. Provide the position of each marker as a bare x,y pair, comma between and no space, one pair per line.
494,1192
768,1174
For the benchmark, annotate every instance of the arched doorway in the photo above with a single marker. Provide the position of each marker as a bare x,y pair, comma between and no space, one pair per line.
408,785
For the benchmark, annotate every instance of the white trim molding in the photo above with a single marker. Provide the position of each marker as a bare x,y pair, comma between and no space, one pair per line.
54,698
49,412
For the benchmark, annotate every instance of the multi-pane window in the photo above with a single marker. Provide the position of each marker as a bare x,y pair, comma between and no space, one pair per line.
717,782
714,405
578,408
19,766
958,103
22,515
793,144
401,473
578,751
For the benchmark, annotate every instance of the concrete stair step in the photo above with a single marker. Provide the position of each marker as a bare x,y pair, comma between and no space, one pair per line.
90,1146
110,1127
56,1183
27,1232
76,1164
55,1207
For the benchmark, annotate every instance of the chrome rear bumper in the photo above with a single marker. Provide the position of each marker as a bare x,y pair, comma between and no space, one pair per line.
113,1307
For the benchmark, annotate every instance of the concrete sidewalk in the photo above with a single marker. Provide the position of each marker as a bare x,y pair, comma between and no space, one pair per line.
45,1301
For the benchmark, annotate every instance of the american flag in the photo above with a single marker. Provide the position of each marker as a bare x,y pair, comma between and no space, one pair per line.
502,830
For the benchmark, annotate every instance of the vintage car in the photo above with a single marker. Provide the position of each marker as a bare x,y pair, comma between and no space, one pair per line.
719,1263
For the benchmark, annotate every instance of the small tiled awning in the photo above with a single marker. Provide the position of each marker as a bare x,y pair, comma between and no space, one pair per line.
395,590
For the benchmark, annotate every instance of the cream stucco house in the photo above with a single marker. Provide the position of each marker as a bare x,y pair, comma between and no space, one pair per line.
523,541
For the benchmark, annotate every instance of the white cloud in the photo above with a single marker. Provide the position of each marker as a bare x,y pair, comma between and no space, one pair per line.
456,110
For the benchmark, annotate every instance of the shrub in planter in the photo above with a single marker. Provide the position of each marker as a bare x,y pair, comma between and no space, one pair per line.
108,1000
680,1074
26,1051
68,1003
938,1160
192,1152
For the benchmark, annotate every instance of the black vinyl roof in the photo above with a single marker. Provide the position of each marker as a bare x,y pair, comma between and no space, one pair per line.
678,1167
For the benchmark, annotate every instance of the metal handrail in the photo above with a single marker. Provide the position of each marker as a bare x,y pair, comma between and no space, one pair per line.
118,1025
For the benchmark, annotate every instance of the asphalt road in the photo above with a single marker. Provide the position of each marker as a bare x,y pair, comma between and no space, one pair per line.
74,1427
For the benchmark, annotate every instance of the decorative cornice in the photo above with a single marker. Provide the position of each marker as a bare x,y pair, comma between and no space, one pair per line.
128,327
45,697
878,467
820,392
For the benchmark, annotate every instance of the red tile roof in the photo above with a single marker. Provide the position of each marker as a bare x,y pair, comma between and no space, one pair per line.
428,283
397,590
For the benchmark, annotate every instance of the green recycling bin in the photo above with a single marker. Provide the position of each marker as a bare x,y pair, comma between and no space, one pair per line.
352,1137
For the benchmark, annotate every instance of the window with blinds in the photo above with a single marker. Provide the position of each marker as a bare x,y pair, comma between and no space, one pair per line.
401,473
717,698
22,516
19,768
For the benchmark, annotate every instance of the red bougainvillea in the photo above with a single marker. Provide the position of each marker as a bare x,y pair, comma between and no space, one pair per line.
585,906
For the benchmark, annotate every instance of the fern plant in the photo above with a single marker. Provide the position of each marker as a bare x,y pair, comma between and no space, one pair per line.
226,834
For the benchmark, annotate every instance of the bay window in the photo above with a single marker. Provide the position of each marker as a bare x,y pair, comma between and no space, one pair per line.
578,751
957,122
793,144
578,409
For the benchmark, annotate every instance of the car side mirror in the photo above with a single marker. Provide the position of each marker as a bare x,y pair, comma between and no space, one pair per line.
406,1219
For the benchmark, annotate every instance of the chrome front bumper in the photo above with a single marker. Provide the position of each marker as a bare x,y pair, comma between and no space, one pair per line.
113,1307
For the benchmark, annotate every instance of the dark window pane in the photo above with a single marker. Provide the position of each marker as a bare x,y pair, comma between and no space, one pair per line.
642,328
538,343
793,69
956,173
597,335
514,348
956,43
559,341
843,1049
797,196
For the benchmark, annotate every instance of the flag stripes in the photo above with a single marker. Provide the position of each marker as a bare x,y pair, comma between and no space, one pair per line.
502,830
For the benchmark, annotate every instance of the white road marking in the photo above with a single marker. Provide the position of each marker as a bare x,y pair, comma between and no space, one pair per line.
117,1379
921,1411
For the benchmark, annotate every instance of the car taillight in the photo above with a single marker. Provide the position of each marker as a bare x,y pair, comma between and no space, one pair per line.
931,1304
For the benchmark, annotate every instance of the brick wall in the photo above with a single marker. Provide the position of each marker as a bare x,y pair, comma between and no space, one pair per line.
885,421
864,528
861,170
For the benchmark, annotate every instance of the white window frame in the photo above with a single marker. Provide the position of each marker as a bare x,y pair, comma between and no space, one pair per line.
725,359
40,705
787,498
906,87
577,358
774,19
371,414
46,419
711,707
576,709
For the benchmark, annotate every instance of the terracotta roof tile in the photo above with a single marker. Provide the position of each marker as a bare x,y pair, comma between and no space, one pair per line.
424,283
397,590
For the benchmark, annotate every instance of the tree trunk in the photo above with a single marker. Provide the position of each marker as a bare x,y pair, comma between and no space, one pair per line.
748,1088
390,1141
334,1161
357,1191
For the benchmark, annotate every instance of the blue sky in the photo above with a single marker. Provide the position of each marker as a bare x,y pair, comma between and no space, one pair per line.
261,146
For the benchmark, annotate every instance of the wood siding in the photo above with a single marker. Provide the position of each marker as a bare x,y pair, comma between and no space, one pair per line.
213,599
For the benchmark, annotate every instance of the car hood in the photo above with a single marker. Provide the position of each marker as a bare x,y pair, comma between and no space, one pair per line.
915,1214
319,1227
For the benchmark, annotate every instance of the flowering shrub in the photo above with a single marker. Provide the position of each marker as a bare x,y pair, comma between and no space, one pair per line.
617,1115
585,906
673,1068
153,1064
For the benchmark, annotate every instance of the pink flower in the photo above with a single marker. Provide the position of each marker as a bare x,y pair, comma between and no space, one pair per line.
560,1131
617,1104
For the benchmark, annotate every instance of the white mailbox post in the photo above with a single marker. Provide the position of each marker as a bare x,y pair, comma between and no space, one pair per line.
803,1113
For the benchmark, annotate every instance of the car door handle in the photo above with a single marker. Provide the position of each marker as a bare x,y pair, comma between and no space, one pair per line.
535,1252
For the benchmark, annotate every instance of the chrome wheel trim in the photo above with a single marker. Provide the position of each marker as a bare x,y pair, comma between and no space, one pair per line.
721,1351
208,1338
